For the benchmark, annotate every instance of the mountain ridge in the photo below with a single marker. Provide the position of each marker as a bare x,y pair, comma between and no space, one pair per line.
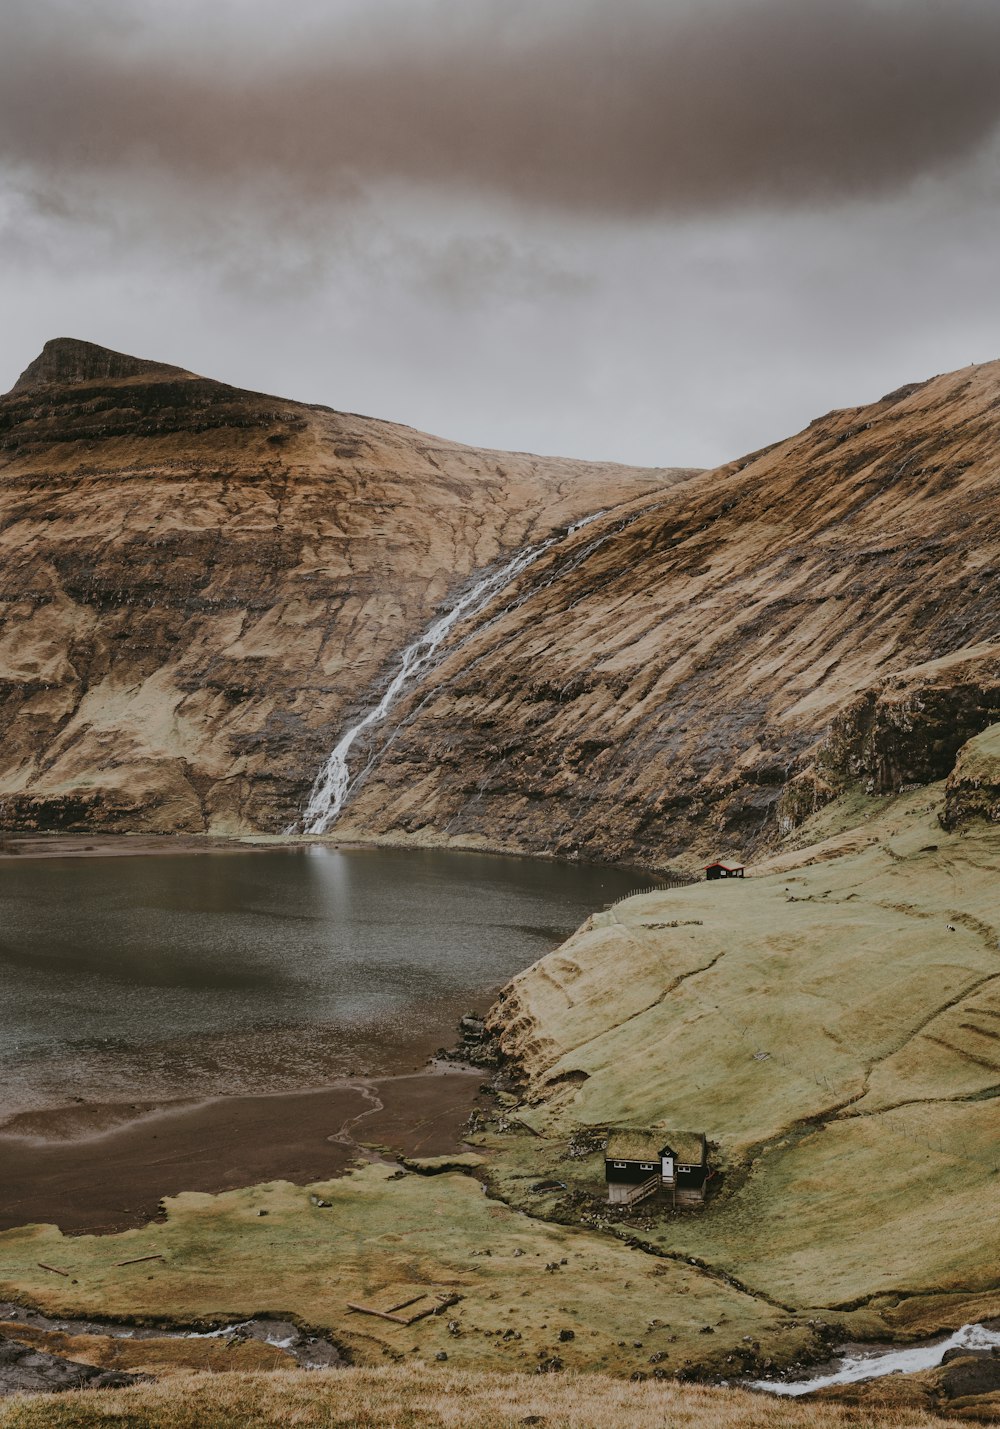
198,583
821,611
70,360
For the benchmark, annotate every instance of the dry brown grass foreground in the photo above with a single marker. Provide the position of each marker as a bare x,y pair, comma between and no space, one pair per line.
432,1397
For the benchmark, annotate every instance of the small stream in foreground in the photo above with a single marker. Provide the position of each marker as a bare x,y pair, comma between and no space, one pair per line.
873,1362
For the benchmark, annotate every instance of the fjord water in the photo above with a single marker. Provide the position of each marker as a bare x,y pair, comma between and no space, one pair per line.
133,979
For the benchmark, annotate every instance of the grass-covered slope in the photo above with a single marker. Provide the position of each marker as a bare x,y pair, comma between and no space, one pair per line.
381,1240
833,1024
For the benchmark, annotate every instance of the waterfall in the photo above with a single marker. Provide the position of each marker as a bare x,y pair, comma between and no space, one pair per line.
333,783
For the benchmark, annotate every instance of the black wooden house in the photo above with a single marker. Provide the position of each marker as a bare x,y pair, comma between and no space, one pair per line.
638,1164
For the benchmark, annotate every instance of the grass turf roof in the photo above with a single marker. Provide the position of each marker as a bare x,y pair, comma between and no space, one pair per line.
633,1144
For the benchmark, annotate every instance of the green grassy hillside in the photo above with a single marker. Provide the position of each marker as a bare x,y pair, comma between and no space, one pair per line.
833,1025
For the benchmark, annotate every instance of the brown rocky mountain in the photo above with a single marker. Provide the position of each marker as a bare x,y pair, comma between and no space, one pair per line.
704,670
200,585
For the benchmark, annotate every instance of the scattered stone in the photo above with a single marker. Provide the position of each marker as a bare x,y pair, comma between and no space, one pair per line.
441,1355
550,1365
972,1374
565,1335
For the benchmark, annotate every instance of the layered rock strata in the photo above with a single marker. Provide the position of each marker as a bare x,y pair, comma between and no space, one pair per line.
199,585
701,671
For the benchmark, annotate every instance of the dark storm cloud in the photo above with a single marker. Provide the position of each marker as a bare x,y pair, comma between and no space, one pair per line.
614,109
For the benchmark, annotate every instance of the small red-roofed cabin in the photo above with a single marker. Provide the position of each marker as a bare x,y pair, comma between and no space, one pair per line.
723,870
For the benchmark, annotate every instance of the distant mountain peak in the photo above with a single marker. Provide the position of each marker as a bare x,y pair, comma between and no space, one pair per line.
65,360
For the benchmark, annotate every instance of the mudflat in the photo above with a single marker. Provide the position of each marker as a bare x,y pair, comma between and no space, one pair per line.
60,845
115,1179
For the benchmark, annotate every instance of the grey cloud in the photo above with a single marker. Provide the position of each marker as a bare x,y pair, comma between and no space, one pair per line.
611,109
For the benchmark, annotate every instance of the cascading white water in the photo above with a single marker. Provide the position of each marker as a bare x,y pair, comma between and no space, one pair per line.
333,783
874,1364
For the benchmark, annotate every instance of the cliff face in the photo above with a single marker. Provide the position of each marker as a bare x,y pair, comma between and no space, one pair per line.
200,588
198,585
708,671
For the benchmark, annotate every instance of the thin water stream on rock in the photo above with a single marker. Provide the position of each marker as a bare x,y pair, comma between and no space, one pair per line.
334,782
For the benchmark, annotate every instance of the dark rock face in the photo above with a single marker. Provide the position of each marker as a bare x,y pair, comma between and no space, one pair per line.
199,586
67,360
971,1374
973,788
27,1370
908,730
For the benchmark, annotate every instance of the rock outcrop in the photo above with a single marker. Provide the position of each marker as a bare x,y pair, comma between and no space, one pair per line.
702,671
200,585
973,788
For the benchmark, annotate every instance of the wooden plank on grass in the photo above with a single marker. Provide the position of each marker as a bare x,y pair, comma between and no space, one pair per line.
382,1314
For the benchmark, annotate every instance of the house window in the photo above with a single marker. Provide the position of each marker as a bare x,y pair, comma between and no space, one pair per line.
621,1165
650,1166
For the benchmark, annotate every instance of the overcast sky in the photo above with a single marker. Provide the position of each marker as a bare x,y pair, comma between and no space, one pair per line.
659,231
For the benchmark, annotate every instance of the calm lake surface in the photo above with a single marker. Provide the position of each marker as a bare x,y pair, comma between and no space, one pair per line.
134,979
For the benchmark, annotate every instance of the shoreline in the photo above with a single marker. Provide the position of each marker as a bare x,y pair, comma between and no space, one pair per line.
114,1179
34,845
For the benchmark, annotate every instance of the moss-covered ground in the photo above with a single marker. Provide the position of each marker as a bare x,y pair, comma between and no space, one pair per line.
833,1024
530,1290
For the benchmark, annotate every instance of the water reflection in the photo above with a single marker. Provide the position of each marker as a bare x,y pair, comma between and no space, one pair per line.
171,974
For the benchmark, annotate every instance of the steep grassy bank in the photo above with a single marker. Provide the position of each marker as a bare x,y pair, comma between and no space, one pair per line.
833,1025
